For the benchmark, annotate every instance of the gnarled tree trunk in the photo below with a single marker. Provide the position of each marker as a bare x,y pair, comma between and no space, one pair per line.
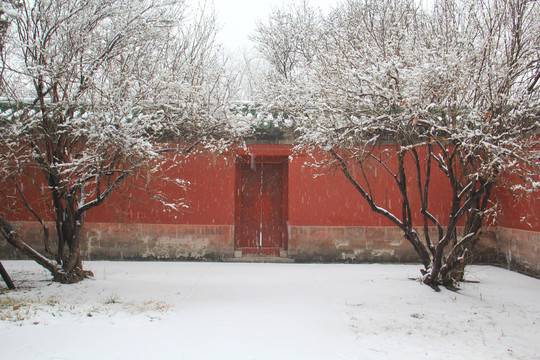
62,274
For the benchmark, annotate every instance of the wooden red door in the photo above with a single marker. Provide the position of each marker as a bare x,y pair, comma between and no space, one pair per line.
249,228
261,212
271,209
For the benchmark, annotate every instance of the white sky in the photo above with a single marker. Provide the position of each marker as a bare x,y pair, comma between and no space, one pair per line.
238,18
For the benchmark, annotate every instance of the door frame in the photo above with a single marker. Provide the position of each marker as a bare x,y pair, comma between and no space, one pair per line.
264,159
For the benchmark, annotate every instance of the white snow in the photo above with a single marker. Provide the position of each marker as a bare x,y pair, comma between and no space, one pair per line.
179,310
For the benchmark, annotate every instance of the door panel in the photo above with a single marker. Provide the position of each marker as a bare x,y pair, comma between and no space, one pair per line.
262,207
250,207
271,205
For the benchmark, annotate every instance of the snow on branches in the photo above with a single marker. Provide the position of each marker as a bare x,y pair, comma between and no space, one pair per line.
93,93
459,81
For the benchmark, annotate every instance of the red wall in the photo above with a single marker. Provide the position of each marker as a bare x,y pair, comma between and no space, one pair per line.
327,200
518,212
331,199
208,196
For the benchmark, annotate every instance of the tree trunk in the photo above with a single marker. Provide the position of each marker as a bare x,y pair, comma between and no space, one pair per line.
6,277
458,260
462,256
13,237
72,269
74,275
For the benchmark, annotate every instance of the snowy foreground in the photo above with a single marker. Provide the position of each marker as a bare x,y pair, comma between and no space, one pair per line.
266,311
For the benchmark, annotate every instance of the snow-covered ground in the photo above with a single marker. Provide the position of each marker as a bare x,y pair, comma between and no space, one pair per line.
266,311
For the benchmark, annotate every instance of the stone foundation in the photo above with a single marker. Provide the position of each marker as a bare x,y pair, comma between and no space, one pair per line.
107,241
517,249
376,244
349,244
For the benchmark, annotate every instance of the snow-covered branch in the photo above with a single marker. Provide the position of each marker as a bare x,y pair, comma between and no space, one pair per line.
97,90
460,80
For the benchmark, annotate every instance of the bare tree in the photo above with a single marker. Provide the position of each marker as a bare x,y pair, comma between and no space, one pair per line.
287,39
419,94
7,14
99,91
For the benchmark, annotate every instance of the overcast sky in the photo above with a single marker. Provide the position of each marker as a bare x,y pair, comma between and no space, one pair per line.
238,18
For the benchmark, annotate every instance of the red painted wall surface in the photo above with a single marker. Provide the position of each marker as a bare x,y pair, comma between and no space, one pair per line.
518,212
209,196
327,200
331,199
